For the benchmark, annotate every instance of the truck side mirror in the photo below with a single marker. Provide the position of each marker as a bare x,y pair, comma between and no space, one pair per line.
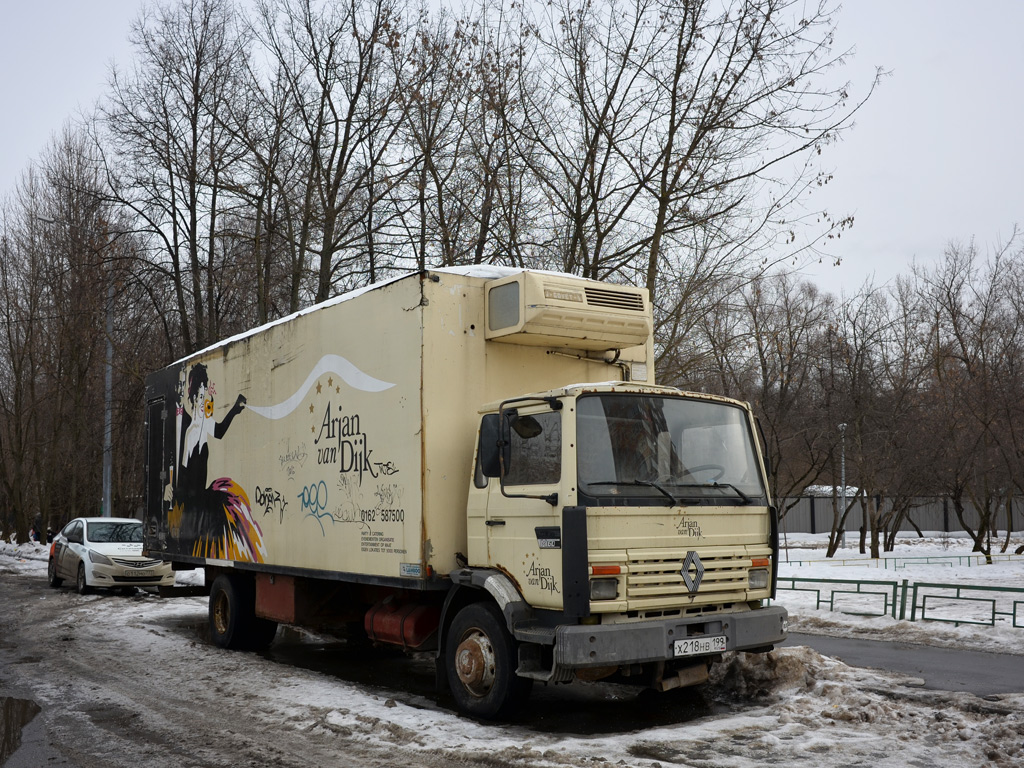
488,450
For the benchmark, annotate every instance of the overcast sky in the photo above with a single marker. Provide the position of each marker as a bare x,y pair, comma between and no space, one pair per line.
935,155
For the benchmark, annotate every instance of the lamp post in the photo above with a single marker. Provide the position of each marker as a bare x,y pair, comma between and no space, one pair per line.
108,376
842,481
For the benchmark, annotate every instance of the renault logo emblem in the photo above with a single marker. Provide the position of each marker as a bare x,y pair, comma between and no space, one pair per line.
692,571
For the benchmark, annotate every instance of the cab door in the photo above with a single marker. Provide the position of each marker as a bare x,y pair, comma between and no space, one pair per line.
523,516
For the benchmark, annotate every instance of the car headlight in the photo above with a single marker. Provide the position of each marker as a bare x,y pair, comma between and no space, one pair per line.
758,578
99,559
604,589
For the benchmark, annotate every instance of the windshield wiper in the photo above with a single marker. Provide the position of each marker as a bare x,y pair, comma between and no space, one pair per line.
659,488
646,483
741,494
668,494
746,499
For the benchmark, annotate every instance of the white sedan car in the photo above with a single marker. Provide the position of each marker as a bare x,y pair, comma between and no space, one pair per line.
105,552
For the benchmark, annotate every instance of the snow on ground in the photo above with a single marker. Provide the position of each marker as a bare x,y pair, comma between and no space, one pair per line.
792,707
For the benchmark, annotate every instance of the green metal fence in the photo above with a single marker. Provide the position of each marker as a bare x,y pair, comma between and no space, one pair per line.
968,604
836,594
899,563
950,603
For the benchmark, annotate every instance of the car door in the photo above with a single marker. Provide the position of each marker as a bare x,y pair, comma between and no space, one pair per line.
67,552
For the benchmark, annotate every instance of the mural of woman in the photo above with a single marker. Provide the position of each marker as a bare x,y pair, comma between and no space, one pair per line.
219,521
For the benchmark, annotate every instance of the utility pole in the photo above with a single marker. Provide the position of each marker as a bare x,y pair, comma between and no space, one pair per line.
108,403
842,481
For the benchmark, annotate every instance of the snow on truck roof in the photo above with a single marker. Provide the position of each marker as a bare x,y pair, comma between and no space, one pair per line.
482,271
625,387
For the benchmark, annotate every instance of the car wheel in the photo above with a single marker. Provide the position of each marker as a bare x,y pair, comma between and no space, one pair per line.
81,584
51,574
480,661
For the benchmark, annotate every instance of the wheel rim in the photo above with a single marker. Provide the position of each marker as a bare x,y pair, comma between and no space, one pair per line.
81,577
221,614
475,663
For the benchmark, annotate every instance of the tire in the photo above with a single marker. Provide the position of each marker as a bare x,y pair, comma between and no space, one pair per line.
262,634
233,621
80,583
481,661
51,574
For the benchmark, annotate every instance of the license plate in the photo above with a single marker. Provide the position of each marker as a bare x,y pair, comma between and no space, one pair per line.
141,572
699,646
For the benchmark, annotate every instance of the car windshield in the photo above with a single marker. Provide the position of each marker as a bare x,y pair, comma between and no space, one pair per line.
109,532
673,448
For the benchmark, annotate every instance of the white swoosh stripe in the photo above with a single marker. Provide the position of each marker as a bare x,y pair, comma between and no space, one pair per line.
336,364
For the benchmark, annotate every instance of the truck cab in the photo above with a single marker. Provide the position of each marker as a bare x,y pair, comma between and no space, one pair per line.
631,532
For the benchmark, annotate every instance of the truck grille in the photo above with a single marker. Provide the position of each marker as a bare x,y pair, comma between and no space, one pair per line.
656,582
608,297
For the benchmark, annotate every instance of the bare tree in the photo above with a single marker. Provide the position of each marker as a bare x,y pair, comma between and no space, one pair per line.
23,272
170,152
974,346
679,139
785,320
63,274
335,62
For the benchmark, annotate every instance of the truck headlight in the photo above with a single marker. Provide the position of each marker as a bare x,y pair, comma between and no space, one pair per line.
99,559
604,589
758,578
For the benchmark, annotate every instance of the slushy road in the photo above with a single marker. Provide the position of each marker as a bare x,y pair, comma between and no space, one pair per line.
942,669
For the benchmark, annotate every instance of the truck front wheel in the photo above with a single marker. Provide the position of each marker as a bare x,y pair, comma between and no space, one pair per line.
480,657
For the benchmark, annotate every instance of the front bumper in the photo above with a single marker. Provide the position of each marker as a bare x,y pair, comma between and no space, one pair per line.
121,576
581,646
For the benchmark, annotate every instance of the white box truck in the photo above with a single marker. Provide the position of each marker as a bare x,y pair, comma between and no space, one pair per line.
474,462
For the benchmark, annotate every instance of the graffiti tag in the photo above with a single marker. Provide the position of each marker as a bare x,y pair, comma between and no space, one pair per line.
270,500
314,500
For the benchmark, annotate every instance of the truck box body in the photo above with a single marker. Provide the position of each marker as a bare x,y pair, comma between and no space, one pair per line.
354,447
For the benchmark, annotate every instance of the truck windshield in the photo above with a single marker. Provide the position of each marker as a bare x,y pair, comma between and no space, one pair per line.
635,448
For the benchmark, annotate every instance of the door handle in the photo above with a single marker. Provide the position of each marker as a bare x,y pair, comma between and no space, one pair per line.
494,522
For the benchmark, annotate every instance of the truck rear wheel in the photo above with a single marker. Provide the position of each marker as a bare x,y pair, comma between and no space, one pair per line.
481,661
233,620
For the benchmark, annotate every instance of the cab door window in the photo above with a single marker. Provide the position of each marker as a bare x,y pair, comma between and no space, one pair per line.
535,449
